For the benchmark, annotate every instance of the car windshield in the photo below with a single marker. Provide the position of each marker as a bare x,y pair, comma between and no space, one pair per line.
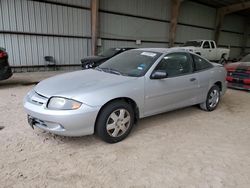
133,63
109,52
246,58
193,43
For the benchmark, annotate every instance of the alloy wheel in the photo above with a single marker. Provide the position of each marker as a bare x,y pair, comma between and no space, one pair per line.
213,98
118,122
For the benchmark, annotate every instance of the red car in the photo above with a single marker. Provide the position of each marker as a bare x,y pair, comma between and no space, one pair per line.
238,74
5,70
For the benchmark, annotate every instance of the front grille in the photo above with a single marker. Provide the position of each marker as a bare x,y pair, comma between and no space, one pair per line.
38,99
238,81
44,124
38,121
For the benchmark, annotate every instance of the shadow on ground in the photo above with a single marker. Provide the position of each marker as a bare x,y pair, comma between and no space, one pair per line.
14,83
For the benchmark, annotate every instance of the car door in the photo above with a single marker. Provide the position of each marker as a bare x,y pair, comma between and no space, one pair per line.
213,52
206,50
203,71
179,89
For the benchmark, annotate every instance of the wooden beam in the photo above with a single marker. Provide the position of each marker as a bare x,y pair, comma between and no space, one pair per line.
223,11
218,23
236,7
175,9
246,33
94,25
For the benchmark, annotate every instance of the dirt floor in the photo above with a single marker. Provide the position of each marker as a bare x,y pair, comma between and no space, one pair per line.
184,148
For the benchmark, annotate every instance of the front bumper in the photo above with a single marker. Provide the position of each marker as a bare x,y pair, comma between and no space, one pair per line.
5,70
238,86
78,122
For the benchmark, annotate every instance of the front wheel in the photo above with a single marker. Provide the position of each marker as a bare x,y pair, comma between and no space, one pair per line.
115,122
213,99
223,60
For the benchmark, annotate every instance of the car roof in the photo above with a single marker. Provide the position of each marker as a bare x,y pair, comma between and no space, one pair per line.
122,48
199,40
161,50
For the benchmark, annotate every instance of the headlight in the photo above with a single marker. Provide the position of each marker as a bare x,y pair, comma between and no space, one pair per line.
60,103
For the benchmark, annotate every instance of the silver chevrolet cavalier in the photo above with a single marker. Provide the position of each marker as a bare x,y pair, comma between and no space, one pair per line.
109,99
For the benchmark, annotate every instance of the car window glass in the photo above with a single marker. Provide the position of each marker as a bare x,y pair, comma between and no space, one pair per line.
175,64
212,45
200,63
206,44
132,62
109,52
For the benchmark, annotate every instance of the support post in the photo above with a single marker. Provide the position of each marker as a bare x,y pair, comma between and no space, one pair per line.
175,9
94,25
223,11
245,37
218,23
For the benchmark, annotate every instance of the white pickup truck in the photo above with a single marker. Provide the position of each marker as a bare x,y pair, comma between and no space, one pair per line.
207,49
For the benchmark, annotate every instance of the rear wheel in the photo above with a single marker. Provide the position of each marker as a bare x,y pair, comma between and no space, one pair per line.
115,122
223,60
213,99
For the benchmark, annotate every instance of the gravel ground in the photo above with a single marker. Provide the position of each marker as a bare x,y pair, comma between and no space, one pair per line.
184,148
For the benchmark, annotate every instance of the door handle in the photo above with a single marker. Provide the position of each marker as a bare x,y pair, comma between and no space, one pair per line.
192,79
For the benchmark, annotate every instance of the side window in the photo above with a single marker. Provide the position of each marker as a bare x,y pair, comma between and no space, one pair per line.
200,63
212,44
175,64
206,44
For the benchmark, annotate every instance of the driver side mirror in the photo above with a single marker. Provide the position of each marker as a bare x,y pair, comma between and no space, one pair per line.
159,74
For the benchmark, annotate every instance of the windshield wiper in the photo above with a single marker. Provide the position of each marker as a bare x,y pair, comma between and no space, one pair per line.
99,69
110,70
115,71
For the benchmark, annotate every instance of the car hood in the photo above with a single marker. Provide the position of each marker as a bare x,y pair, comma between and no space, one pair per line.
71,85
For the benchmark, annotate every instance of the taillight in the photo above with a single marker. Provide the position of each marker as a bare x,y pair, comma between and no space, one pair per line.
229,78
3,54
229,73
246,81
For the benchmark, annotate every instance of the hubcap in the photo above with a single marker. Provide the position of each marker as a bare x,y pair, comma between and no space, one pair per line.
118,122
213,98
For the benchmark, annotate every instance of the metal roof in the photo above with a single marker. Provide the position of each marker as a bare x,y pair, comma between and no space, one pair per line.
223,3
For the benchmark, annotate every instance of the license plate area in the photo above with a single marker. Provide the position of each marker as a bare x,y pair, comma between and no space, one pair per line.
237,80
31,121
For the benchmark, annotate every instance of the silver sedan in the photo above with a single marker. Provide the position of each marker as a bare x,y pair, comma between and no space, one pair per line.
109,99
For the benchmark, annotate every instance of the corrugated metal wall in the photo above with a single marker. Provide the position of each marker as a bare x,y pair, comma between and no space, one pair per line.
124,22
248,40
31,29
148,20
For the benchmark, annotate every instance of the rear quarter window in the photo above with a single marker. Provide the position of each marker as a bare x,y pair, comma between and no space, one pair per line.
200,63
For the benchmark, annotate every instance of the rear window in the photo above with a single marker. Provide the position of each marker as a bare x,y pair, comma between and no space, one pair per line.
212,44
206,44
200,63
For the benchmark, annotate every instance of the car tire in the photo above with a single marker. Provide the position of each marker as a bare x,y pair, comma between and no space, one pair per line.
223,60
212,100
115,121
